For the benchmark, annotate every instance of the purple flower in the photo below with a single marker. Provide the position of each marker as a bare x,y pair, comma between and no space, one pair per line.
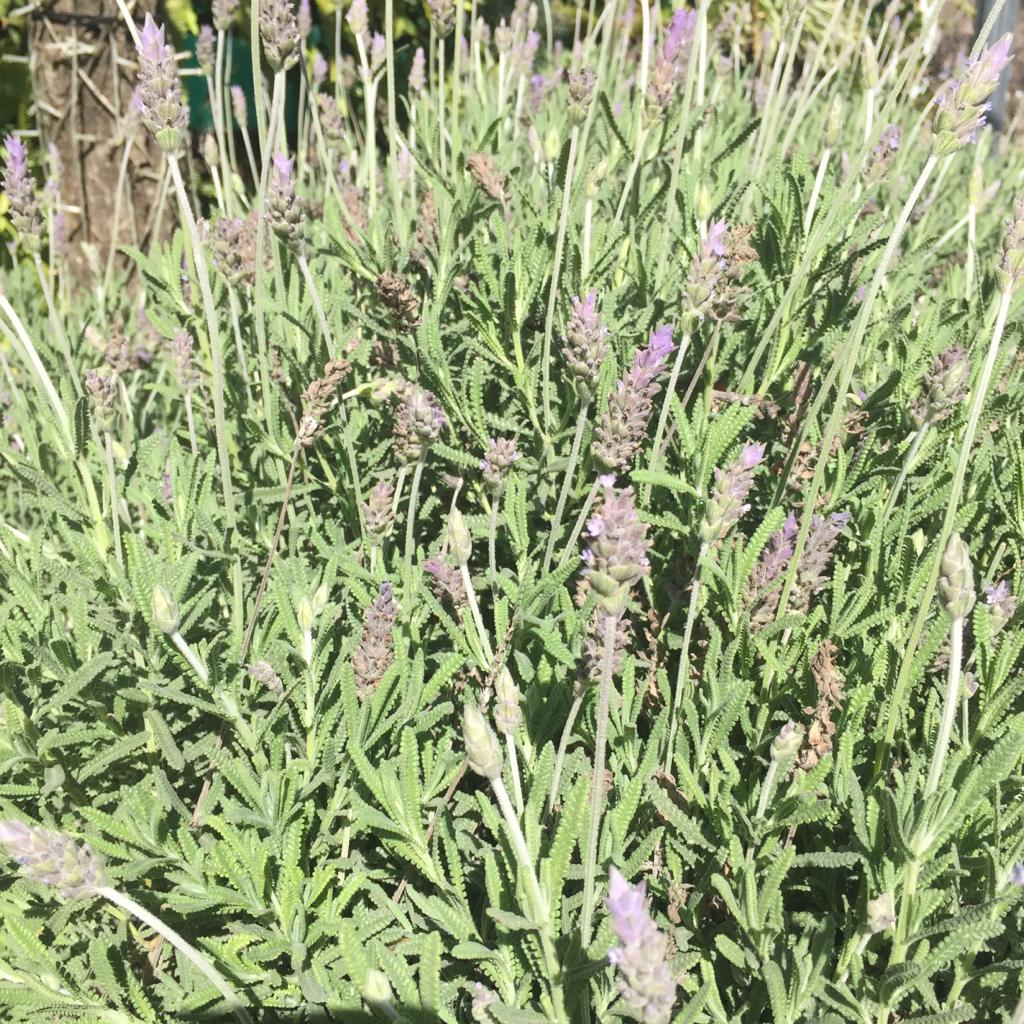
161,103
617,556
713,243
20,189
669,66
623,425
239,106
358,19
728,500
1001,603
501,455
284,213
305,19
585,345
320,68
206,50
962,104
280,34
1017,874
645,978
378,52
418,71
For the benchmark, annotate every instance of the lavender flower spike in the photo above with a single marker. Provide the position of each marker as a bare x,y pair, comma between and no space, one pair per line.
53,858
963,104
706,270
623,426
280,34
20,189
617,556
161,103
1001,604
732,486
585,345
418,71
502,454
645,977
284,215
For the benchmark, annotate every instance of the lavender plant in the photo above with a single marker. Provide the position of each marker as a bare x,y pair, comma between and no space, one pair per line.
536,540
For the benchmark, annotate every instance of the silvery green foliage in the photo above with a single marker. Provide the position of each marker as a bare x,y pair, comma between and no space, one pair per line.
308,809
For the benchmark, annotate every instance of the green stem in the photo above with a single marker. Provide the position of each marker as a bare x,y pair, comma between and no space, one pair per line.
563,220
410,531
187,950
683,673
847,360
949,706
563,746
474,608
924,604
908,462
538,905
666,404
115,517
213,332
597,780
190,656
567,482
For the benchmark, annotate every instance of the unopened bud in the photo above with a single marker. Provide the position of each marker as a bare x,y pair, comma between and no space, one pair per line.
377,989
956,579
834,124
460,543
787,744
881,915
702,202
483,751
507,713
166,613
305,614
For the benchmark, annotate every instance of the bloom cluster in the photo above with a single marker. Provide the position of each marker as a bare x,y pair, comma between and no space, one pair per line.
623,425
642,956
585,345
616,556
728,500
159,95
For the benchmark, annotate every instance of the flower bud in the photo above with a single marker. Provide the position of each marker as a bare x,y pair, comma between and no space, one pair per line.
956,579
377,988
702,202
581,90
305,613
787,744
834,124
53,859
166,613
483,751
881,915
507,713
1011,265
460,543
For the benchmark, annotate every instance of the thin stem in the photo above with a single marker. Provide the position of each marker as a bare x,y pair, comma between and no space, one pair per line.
577,529
819,180
190,420
396,194
187,950
949,706
563,746
213,333
247,639
58,327
474,608
567,482
440,106
190,656
683,673
908,462
537,903
513,767
563,220
115,516
597,780
492,540
924,604
666,404
767,787
410,523
116,222
847,360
